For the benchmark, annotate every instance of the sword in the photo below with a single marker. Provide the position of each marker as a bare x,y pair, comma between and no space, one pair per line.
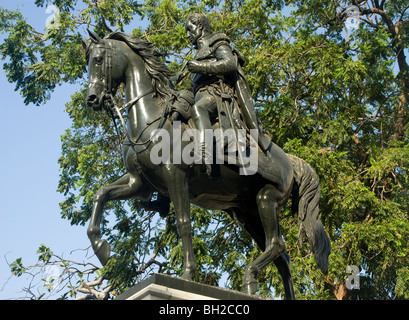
230,116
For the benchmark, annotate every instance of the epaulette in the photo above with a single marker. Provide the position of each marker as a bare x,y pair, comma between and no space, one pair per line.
218,36
216,40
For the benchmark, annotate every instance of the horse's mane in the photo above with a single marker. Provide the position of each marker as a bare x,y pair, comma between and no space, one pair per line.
156,69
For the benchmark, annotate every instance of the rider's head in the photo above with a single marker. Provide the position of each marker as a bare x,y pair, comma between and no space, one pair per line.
201,20
197,25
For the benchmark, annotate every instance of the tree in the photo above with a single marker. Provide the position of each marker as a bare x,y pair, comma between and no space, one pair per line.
340,103
53,275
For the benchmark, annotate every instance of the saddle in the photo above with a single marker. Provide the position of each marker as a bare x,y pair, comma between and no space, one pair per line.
182,103
226,125
268,162
183,100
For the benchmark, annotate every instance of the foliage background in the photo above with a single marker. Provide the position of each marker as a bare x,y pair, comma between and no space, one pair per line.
336,98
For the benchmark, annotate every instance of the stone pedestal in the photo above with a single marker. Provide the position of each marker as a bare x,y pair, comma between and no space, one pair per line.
164,287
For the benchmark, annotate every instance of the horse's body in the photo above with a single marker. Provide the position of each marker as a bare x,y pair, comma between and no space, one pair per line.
253,199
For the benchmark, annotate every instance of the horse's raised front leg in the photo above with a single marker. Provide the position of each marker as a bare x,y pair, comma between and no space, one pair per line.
124,188
177,184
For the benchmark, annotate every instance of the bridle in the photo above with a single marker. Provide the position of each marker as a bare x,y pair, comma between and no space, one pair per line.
107,99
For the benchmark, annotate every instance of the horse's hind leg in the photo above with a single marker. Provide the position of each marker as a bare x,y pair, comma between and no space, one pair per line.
283,265
124,188
268,207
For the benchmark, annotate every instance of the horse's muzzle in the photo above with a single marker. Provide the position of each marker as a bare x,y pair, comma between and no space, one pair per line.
94,102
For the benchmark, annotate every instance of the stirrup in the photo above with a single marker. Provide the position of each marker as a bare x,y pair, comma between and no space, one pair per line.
205,167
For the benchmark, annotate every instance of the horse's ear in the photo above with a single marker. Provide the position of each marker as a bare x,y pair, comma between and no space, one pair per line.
94,36
84,44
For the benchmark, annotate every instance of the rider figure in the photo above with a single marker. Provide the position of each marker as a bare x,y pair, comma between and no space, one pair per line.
215,65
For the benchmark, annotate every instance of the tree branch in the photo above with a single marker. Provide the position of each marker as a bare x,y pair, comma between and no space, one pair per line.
386,18
89,289
373,25
403,13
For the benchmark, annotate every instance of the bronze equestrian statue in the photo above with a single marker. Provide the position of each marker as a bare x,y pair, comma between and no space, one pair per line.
254,199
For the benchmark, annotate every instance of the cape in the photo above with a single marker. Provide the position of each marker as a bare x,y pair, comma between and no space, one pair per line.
211,45
239,81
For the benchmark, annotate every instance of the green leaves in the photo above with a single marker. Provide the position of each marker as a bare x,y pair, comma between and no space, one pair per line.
17,47
339,103
39,60
45,253
17,268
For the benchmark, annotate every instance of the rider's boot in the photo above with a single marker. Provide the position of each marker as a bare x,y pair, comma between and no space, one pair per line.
200,116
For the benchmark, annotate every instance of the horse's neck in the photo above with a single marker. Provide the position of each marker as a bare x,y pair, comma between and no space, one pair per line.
146,109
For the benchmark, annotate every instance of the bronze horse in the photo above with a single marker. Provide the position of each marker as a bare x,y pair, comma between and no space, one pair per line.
253,199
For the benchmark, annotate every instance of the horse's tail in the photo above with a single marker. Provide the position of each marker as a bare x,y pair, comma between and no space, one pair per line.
305,198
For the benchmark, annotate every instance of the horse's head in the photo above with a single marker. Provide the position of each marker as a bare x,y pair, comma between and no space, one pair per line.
110,60
105,70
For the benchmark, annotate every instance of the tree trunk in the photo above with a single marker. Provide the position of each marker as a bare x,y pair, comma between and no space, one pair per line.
402,111
341,292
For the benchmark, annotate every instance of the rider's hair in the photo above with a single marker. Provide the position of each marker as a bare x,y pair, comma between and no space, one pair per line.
201,20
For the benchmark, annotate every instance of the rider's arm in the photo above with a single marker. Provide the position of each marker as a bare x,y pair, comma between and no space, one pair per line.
224,63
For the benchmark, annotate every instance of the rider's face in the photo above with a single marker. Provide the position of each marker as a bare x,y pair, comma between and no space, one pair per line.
194,32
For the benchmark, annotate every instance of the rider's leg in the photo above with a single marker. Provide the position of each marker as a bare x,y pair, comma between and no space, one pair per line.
201,117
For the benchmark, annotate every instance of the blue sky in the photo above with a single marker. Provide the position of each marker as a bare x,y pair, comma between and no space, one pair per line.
29,173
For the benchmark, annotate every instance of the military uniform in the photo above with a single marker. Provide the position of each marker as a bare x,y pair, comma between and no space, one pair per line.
218,73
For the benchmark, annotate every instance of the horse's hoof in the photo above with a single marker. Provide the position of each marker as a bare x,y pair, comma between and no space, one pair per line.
186,277
250,287
102,250
188,274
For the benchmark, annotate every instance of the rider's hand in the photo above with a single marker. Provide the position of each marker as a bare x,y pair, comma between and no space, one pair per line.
195,66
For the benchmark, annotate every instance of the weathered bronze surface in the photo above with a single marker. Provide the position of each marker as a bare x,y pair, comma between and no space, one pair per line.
221,101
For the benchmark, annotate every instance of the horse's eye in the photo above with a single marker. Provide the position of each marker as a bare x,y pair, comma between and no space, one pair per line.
98,60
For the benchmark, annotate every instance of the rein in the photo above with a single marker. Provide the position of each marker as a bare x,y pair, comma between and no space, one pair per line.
148,124
109,103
